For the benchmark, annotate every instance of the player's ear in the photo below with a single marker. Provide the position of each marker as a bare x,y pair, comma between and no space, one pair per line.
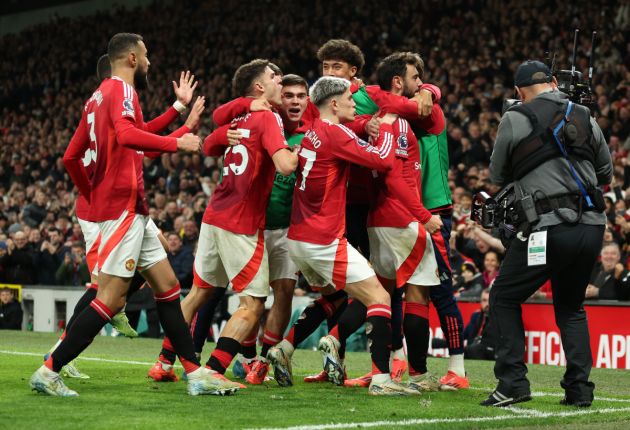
258,86
397,82
353,71
334,104
132,59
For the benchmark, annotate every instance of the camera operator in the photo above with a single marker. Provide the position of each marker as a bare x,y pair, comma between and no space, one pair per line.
558,197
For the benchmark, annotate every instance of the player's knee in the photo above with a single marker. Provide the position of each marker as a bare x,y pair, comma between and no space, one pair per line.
252,307
379,297
113,303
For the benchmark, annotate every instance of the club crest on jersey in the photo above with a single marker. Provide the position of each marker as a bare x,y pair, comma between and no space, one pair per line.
128,109
403,145
362,142
130,264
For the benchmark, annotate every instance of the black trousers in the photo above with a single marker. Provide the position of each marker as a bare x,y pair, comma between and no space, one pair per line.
571,254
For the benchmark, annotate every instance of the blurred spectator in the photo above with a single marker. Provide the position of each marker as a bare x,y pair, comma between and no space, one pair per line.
3,253
50,256
18,262
470,282
478,333
609,280
461,210
473,242
491,265
181,258
74,269
10,311
191,234
35,212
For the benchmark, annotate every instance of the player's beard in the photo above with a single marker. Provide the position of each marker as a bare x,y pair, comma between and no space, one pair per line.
409,92
140,79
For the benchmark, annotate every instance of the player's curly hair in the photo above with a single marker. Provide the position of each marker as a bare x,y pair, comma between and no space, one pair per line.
341,49
396,65
245,75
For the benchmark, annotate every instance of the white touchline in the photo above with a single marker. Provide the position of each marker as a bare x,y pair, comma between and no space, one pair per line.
556,394
105,360
413,422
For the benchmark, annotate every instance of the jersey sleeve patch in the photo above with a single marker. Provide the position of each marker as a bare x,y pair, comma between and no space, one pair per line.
128,109
402,146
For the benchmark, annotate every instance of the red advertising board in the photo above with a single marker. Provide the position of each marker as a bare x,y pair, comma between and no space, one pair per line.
609,329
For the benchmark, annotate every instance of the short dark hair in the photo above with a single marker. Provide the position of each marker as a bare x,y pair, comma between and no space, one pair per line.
55,230
277,70
341,49
173,233
121,43
103,68
243,80
396,65
291,79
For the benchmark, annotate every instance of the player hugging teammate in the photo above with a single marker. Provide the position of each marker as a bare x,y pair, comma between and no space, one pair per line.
314,185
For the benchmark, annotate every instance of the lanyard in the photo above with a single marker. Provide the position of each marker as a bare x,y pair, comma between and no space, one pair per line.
576,178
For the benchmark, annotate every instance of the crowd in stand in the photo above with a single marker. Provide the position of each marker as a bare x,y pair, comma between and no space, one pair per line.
471,49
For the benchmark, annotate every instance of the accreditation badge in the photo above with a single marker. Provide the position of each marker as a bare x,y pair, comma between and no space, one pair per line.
537,248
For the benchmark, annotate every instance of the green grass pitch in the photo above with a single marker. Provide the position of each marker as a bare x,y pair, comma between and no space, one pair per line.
119,396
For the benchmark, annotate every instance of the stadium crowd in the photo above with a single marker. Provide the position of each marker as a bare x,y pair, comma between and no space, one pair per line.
470,49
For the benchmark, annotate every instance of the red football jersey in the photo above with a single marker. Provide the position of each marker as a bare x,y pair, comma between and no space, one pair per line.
319,201
239,203
82,209
397,199
112,121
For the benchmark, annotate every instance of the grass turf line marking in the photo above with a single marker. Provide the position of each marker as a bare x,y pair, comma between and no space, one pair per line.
534,413
413,422
554,394
143,363
105,360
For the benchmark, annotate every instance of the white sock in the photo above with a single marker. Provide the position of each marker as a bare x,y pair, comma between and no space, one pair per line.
195,374
46,371
381,378
399,354
456,364
166,367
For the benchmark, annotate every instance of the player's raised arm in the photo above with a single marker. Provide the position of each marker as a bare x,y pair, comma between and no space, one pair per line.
184,94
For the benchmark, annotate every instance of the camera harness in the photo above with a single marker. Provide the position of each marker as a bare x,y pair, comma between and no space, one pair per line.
569,129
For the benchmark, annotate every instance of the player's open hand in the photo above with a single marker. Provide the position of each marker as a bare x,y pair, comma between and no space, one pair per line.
189,143
372,126
194,117
424,98
184,92
358,82
234,136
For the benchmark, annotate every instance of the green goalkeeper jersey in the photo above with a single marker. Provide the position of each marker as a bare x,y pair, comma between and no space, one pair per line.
365,104
434,158
281,198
